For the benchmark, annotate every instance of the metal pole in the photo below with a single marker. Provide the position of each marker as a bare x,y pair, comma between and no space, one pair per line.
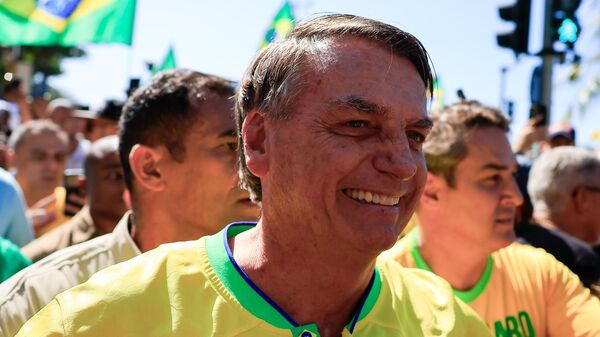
547,61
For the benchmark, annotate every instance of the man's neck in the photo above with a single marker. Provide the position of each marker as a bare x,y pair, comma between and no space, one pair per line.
103,221
32,196
306,284
463,270
152,229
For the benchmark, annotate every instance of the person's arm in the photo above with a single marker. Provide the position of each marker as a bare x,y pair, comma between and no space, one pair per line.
531,133
571,308
20,231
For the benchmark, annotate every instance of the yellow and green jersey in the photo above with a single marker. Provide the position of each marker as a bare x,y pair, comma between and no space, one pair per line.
523,292
197,289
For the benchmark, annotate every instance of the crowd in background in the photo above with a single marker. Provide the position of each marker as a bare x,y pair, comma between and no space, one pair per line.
64,182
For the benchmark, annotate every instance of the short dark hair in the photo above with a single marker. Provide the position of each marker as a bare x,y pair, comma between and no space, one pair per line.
275,77
446,145
160,113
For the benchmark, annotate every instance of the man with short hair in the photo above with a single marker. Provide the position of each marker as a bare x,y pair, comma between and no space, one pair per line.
37,152
178,151
465,233
564,187
61,111
331,121
104,206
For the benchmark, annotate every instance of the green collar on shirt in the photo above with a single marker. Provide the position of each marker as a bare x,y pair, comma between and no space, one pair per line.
467,295
255,300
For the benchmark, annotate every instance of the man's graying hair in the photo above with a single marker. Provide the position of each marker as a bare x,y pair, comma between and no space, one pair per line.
281,70
555,175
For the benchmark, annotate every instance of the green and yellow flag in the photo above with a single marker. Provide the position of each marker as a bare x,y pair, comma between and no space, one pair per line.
438,95
65,22
167,63
281,25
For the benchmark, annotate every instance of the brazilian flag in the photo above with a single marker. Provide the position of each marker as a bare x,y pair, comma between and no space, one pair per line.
282,24
65,22
167,63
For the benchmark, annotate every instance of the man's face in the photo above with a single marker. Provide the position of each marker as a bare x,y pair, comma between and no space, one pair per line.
482,205
105,186
203,188
40,162
347,164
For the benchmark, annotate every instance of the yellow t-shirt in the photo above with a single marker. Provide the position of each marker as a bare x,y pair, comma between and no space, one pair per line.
524,291
196,289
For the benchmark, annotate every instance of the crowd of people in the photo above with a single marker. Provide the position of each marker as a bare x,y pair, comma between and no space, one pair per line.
279,206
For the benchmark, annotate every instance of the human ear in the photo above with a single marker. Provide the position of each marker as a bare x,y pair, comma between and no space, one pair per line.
254,139
432,191
145,163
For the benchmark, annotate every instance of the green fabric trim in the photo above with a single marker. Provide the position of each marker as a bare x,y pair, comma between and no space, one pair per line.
466,295
372,297
11,259
252,301
235,283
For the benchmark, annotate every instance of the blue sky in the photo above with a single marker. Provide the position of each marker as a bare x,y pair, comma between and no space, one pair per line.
221,37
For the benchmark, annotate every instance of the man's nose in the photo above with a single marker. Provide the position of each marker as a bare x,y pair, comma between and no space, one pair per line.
397,159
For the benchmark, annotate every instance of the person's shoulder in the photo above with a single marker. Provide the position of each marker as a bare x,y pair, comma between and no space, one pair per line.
523,254
414,283
50,242
401,251
8,183
420,293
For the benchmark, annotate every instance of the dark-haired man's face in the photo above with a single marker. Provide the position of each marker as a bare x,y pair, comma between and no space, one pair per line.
202,189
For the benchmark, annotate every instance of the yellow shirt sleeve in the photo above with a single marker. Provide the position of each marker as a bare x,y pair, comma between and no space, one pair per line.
572,309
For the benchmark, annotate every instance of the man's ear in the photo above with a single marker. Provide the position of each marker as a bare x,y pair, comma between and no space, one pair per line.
433,188
582,201
10,158
145,163
255,143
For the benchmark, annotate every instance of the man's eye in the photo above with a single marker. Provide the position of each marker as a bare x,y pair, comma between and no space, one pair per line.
357,124
115,176
417,136
232,147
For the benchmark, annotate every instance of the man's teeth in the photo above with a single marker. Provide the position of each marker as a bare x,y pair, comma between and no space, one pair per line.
372,198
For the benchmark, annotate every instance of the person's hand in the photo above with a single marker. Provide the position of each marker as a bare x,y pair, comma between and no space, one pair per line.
42,213
531,133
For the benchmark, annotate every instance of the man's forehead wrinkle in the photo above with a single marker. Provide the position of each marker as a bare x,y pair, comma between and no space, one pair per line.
358,103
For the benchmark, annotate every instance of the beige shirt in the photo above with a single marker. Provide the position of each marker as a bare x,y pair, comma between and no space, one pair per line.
28,291
79,229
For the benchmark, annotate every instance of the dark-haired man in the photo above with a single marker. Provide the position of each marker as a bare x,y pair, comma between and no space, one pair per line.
331,121
178,151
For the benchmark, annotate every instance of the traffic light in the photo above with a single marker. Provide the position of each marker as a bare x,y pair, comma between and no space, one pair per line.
518,38
565,26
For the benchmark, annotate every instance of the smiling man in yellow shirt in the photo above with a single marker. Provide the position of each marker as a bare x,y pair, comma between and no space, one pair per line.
331,121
